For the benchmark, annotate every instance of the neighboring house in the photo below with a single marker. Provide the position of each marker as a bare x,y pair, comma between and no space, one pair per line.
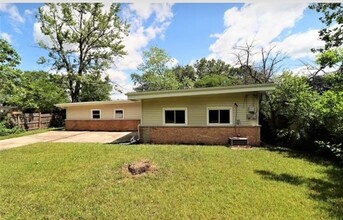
123,115
188,116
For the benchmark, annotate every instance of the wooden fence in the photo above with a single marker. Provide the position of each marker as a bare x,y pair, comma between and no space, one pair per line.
31,121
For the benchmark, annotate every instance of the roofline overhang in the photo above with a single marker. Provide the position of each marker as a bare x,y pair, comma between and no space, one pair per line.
201,91
76,104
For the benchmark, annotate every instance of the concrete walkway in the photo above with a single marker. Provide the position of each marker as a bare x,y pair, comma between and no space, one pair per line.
66,136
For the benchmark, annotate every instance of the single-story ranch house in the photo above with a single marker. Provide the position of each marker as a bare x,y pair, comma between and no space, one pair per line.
187,116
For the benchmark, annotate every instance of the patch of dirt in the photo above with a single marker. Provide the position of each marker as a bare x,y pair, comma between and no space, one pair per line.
139,168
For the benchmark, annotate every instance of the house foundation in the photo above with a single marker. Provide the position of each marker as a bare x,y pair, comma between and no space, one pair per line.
198,135
101,125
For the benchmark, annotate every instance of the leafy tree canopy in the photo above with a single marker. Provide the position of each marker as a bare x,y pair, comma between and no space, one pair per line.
155,72
84,39
39,91
332,35
291,105
332,15
9,75
95,88
8,55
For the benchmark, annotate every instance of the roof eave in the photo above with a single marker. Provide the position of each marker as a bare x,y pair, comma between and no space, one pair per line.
80,104
198,92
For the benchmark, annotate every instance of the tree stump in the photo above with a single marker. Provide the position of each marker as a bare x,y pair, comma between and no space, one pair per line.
139,167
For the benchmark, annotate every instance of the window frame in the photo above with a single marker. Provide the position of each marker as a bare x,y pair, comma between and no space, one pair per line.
92,114
174,109
218,109
114,114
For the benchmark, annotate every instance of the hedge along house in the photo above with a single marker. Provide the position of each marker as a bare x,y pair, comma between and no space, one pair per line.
201,116
123,115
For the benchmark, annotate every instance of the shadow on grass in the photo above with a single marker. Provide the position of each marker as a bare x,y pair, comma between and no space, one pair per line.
329,191
283,177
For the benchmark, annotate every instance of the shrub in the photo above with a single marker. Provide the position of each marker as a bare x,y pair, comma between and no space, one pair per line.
6,128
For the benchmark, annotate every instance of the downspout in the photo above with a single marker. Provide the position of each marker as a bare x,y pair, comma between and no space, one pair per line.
138,134
236,119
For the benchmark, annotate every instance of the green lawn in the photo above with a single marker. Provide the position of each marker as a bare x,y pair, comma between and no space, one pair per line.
86,181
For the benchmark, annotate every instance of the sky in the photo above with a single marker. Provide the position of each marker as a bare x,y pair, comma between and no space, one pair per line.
187,31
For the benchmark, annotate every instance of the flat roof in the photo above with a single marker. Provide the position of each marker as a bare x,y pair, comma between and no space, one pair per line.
201,91
74,104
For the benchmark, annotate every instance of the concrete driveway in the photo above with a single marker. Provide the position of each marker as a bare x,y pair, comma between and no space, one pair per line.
68,136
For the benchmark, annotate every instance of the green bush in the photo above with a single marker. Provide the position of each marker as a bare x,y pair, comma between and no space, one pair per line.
6,128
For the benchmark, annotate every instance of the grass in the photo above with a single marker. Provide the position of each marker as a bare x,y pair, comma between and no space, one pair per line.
86,181
25,133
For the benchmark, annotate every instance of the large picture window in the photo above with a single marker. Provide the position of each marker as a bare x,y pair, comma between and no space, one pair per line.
219,116
96,113
175,116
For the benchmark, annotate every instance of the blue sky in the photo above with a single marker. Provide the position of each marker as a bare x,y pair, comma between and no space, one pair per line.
187,31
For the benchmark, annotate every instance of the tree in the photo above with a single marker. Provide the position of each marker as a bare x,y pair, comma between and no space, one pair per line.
332,35
95,88
155,72
8,55
39,91
212,73
9,75
290,109
333,15
185,75
262,68
85,39
330,122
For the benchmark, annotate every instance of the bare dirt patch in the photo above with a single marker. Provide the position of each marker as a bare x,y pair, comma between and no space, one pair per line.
139,168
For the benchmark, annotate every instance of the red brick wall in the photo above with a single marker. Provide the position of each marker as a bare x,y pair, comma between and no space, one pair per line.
102,125
198,135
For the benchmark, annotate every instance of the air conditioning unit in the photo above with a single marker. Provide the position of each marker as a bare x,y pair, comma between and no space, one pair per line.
238,141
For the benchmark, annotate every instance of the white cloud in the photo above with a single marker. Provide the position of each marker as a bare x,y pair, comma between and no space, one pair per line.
12,11
172,63
261,22
311,69
29,12
120,79
299,45
38,36
148,22
6,37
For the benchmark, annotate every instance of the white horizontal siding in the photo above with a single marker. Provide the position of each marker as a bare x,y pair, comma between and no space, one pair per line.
131,111
152,111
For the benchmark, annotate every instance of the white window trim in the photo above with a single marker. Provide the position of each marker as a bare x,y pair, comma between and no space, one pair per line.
218,108
92,114
114,114
174,109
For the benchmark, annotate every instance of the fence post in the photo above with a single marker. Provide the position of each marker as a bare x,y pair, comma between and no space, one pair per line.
39,120
19,121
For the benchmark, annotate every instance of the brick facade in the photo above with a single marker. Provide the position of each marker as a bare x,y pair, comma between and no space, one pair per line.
101,125
198,135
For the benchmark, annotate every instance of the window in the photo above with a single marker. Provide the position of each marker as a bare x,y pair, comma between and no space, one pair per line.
96,113
219,116
118,113
175,116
